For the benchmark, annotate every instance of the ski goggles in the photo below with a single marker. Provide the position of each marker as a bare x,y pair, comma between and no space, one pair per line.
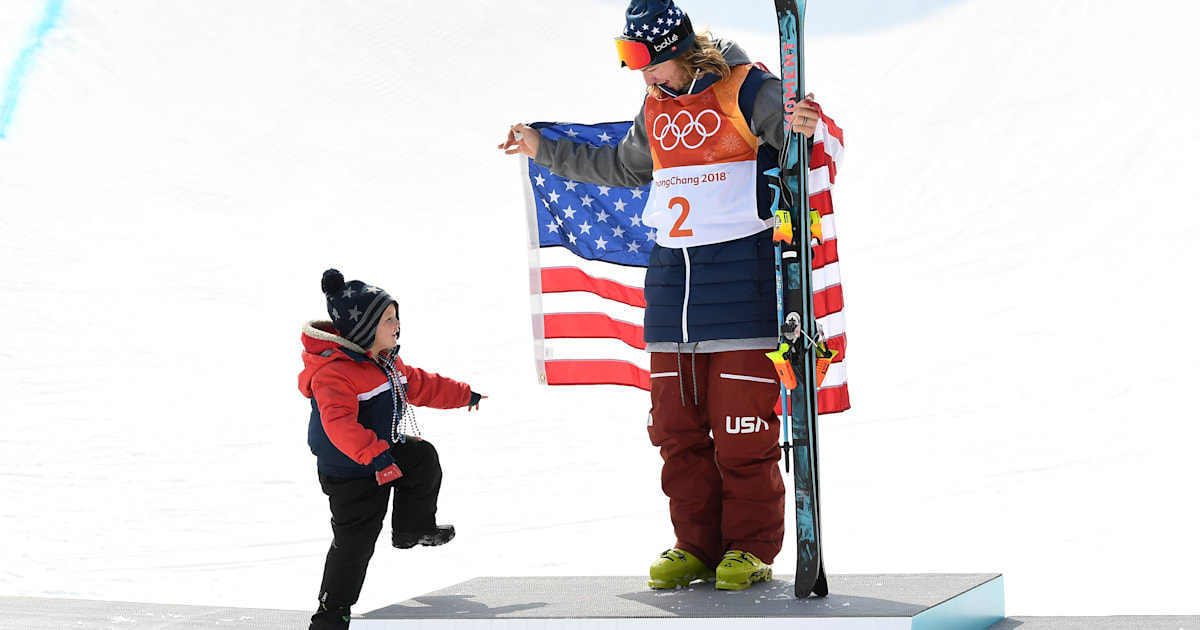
636,53
633,53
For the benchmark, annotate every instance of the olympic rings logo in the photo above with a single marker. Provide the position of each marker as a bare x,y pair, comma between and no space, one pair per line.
680,134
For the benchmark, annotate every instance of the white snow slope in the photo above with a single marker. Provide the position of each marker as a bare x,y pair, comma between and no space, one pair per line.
1018,234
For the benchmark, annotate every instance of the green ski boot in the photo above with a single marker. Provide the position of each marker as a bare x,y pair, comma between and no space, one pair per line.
676,568
739,570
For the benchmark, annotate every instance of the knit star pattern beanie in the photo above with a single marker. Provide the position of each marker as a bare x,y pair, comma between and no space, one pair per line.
355,307
665,26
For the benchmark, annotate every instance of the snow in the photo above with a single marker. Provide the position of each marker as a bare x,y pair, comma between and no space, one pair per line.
1017,247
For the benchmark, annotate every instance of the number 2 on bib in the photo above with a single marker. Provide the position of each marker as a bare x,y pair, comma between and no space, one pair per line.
677,230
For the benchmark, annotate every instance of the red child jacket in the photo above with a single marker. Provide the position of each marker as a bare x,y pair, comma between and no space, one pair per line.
350,428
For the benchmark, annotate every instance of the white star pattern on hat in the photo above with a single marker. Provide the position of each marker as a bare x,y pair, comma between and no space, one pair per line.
355,314
372,289
655,27
348,292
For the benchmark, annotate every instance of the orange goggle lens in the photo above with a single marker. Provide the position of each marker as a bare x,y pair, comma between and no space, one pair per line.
633,53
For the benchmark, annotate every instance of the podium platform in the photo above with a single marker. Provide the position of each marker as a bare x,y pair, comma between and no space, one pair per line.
858,602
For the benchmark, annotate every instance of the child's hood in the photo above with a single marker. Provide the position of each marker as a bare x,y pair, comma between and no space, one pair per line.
322,346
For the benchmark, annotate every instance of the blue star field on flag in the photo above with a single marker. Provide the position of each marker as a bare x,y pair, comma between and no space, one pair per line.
593,221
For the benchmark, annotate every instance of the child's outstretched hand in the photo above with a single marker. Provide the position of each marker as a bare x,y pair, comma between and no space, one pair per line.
474,403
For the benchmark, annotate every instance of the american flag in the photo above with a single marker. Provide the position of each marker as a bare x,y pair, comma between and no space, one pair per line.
587,258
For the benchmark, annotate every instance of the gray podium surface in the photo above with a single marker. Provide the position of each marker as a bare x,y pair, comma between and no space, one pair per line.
628,597
856,602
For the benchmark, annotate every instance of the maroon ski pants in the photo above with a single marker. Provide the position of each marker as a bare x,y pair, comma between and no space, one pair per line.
713,418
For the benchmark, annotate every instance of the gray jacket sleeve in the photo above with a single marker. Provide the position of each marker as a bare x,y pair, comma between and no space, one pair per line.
627,164
766,121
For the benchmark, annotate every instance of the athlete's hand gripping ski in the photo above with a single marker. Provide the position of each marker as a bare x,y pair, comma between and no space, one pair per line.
805,117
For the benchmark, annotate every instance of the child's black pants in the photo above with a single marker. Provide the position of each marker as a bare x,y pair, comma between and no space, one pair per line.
359,507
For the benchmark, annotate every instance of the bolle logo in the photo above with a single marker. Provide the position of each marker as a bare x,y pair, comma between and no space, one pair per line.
664,126
668,42
748,424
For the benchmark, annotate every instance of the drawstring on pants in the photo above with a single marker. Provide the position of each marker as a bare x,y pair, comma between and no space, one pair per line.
695,388
679,366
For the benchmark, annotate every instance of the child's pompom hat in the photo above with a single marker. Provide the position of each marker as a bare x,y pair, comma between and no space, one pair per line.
355,307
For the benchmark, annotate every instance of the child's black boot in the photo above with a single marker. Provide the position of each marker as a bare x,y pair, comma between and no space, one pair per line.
335,619
407,540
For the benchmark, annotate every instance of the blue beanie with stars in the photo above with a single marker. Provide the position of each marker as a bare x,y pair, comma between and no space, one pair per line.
663,25
355,307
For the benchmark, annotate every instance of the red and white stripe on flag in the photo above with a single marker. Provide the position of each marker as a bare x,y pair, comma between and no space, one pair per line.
828,304
590,323
587,314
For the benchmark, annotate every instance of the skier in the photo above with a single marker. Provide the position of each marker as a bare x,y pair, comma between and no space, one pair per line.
362,398
710,124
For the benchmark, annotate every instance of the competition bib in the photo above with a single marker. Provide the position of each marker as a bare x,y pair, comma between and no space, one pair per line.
705,161
701,205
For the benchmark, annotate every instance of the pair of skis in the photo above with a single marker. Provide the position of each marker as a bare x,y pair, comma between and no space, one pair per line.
796,359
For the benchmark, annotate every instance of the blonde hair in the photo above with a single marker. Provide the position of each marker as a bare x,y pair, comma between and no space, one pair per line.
703,57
